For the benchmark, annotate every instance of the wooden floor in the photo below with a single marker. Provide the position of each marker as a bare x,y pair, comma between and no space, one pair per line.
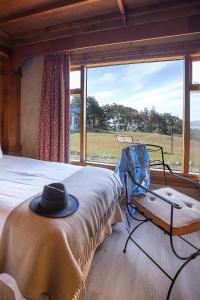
132,276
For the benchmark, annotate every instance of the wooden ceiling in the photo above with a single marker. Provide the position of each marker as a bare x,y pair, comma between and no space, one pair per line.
27,21
35,26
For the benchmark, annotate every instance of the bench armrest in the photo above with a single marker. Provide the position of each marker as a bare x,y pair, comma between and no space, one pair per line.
179,176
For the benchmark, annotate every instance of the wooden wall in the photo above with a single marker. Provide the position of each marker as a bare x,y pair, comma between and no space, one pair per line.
19,106
10,86
30,104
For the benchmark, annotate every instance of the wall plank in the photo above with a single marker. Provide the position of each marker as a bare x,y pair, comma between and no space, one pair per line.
30,104
10,89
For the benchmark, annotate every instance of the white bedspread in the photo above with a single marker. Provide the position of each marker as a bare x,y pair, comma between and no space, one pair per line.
22,178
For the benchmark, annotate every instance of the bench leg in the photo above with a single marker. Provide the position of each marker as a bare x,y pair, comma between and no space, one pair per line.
134,229
193,256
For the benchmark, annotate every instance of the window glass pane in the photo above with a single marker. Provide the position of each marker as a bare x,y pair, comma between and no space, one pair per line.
142,100
196,72
75,80
75,127
194,133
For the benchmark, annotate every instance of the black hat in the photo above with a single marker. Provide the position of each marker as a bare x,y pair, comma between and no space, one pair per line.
55,202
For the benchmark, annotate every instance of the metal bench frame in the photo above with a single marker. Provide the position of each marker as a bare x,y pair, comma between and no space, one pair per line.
130,206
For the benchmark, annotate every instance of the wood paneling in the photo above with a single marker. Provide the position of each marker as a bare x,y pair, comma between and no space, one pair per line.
181,26
31,85
10,84
50,17
135,52
48,26
105,22
122,11
44,9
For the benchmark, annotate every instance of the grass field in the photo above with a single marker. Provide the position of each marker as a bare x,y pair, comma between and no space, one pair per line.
103,147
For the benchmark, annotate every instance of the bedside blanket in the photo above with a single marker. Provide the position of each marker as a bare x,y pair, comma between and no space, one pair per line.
48,256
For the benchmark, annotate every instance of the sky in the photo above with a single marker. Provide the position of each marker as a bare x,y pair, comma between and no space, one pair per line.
139,85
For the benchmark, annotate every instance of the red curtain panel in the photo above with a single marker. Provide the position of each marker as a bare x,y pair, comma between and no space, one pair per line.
54,127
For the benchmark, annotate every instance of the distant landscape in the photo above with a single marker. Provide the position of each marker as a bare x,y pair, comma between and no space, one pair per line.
117,117
145,126
195,124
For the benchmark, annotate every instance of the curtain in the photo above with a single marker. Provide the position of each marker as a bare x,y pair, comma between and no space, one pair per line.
54,126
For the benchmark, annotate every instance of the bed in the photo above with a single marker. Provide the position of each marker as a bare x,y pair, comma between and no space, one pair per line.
52,256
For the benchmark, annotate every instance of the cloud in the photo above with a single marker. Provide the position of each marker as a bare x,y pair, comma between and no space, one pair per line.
140,85
98,78
141,71
107,77
103,97
165,99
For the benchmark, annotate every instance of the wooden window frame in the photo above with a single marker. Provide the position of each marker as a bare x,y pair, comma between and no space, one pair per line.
188,87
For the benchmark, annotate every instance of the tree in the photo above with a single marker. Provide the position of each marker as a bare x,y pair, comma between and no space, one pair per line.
75,101
119,117
95,115
144,120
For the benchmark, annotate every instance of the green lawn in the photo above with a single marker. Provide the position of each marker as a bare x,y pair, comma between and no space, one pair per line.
103,147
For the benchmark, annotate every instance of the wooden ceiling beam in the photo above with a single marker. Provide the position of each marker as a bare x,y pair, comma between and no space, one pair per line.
122,11
106,22
181,26
58,5
63,4
133,51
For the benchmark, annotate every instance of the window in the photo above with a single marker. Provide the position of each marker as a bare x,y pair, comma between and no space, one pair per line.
194,159
142,100
194,162
196,72
75,127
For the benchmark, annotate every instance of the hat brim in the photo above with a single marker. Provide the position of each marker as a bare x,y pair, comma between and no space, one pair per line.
38,209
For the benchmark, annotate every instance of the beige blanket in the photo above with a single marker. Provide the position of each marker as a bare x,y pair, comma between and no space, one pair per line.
48,256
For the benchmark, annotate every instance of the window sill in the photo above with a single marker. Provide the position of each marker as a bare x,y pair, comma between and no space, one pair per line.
156,175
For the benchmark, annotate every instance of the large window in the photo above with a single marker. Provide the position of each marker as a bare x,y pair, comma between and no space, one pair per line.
148,102
143,100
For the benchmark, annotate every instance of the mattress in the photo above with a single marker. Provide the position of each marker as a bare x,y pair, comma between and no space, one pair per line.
22,178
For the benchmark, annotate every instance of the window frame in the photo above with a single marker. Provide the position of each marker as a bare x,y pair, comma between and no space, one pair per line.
188,87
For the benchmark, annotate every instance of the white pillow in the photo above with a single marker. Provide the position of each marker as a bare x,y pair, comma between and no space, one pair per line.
1,153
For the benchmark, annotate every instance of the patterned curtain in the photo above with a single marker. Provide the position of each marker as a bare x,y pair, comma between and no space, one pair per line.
54,127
